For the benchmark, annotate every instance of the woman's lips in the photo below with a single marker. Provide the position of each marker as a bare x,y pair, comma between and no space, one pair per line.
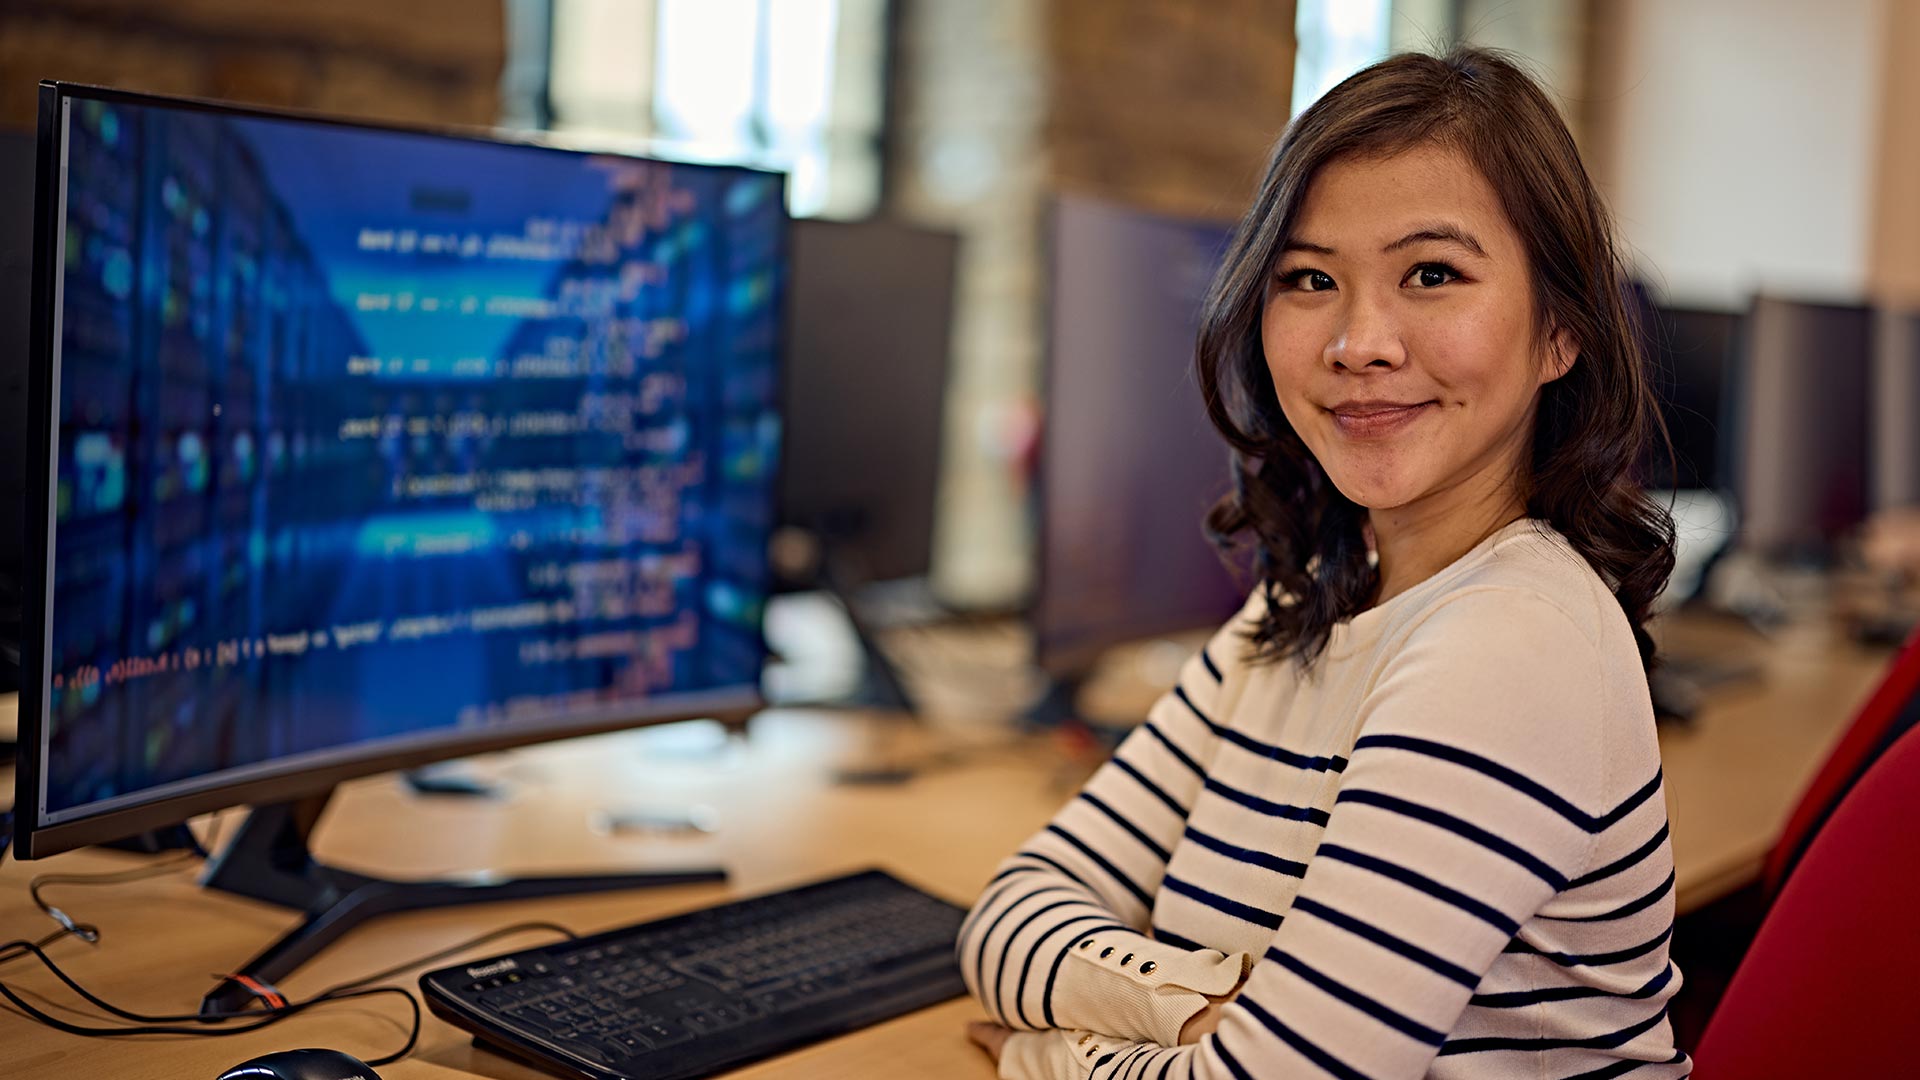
1374,421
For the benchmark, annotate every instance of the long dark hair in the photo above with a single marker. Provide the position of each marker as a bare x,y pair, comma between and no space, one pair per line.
1309,551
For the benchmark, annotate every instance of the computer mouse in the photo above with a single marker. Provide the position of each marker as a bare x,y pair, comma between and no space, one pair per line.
309,1064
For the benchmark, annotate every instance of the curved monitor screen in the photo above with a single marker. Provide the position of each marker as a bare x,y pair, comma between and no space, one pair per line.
365,440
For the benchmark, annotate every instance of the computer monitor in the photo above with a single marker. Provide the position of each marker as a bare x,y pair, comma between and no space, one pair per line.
1803,410
357,448
872,321
1692,353
1896,409
1129,463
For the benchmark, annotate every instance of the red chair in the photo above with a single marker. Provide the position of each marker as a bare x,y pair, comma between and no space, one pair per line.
1827,988
1893,709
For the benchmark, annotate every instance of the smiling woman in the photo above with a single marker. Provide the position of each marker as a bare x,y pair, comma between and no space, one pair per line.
1403,817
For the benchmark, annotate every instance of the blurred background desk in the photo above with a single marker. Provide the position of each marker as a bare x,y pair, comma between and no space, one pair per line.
1732,775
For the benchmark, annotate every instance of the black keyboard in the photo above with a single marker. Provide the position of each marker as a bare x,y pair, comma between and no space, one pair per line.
693,994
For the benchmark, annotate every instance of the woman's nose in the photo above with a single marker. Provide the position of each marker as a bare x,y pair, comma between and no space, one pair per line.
1365,339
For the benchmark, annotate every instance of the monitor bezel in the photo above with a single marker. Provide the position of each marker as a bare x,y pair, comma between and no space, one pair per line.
33,838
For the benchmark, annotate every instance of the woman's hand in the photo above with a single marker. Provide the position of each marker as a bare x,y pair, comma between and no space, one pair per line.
991,1037
1202,1023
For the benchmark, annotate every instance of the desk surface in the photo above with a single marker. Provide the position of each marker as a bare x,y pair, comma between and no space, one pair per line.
1731,778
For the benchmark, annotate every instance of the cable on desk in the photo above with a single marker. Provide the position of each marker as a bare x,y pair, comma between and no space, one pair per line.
277,1008
90,934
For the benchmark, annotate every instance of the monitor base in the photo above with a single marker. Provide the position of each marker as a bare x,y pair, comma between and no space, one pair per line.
270,860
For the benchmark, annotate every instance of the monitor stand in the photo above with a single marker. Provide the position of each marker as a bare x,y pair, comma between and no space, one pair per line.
269,860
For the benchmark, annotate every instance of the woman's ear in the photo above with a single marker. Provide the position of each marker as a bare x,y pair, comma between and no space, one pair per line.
1562,352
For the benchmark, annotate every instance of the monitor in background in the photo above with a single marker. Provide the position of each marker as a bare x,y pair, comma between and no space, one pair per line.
866,366
1804,419
1692,352
866,380
355,449
1896,410
1129,461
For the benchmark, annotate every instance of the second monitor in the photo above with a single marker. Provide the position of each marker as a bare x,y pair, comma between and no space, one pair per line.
1130,463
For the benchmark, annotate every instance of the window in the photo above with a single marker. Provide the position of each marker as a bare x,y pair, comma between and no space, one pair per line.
1334,39
795,85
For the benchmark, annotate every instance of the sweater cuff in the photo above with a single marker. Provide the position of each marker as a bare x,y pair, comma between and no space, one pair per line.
1133,986
1057,1055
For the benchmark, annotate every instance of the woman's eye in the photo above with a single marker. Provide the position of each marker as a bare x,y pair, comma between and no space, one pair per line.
1307,280
1433,275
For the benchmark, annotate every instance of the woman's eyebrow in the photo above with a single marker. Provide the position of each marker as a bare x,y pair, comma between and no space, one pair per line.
1441,232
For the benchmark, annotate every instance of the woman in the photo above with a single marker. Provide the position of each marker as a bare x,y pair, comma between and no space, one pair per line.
1403,816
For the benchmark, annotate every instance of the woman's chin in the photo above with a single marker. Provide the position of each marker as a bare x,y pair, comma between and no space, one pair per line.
1376,493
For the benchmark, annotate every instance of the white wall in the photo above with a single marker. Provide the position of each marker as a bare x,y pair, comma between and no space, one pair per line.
1743,147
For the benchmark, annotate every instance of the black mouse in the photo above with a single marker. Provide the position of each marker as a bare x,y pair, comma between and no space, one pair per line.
312,1064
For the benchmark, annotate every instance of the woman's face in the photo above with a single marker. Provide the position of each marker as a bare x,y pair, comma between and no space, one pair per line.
1400,333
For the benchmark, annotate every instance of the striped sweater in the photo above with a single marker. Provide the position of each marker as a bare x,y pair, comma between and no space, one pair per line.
1441,852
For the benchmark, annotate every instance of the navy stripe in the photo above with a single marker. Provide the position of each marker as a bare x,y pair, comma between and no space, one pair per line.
1026,967
1306,1049
1176,940
1609,1072
1631,907
1623,862
1609,1041
1486,913
1000,970
1060,866
1101,861
1247,855
1125,1062
1012,870
980,954
1622,1068
1387,941
1212,669
1168,1064
1521,948
1053,973
1267,807
1518,781
973,917
1516,999
1225,905
1152,788
1153,729
1265,749
972,922
1358,1000
1148,842
1526,860
1238,1070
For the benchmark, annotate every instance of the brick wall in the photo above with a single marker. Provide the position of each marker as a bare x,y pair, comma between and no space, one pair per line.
418,61
1167,104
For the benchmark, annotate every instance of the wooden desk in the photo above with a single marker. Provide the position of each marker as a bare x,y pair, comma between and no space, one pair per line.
782,821
1731,778
1734,773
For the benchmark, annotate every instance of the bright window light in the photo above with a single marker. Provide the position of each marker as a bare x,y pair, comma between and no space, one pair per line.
1335,39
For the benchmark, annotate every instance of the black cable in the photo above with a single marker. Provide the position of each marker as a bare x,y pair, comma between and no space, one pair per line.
117,877
453,950
168,1025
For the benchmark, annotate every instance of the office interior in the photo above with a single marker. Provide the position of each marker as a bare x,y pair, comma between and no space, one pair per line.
949,547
